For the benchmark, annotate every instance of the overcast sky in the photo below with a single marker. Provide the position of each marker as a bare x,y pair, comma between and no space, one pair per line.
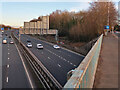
15,12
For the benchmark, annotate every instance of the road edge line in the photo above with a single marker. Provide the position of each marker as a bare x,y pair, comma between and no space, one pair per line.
25,67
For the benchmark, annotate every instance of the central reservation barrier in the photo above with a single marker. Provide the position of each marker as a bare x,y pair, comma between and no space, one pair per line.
84,74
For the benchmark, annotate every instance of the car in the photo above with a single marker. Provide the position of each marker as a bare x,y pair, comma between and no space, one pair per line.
117,32
29,45
56,47
11,42
39,46
9,36
6,34
4,41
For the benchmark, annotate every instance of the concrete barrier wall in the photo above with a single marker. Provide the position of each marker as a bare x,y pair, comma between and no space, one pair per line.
84,74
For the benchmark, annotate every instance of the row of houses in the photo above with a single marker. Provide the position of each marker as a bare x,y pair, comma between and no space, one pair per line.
38,26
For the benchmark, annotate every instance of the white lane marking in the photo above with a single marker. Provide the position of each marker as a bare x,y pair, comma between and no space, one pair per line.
48,57
8,58
7,80
8,53
60,57
59,65
8,49
75,65
8,66
25,67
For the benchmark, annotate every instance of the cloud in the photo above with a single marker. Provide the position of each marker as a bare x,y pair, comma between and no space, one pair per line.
82,6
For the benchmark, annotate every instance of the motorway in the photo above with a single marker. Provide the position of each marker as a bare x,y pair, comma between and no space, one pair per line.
13,72
58,62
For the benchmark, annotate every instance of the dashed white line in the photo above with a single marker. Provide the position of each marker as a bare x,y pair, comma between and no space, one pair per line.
25,68
59,65
48,57
8,58
75,65
8,53
8,66
61,57
64,59
7,80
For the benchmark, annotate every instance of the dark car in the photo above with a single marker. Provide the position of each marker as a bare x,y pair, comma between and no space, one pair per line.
28,40
9,36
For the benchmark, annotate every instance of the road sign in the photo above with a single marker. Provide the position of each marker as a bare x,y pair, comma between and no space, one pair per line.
2,28
106,27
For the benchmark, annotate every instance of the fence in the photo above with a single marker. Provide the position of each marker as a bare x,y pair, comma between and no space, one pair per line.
84,74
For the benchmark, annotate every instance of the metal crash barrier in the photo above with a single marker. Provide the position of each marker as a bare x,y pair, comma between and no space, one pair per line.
84,74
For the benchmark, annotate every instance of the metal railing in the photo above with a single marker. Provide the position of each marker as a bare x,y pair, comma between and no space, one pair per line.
84,74
45,77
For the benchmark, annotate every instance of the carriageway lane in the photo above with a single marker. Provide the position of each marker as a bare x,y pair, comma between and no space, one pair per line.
14,75
58,62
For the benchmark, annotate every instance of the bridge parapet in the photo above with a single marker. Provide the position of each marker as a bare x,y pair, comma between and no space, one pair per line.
84,74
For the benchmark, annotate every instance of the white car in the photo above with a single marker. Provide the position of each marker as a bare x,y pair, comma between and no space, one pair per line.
11,42
4,41
56,47
39,46
29,45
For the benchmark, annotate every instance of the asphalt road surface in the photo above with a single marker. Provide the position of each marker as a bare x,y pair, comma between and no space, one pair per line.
13,72
58,62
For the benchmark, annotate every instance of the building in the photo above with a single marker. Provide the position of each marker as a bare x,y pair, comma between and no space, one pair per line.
37,26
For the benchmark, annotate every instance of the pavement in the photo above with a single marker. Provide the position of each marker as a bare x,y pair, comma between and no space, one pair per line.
107,70
58,62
